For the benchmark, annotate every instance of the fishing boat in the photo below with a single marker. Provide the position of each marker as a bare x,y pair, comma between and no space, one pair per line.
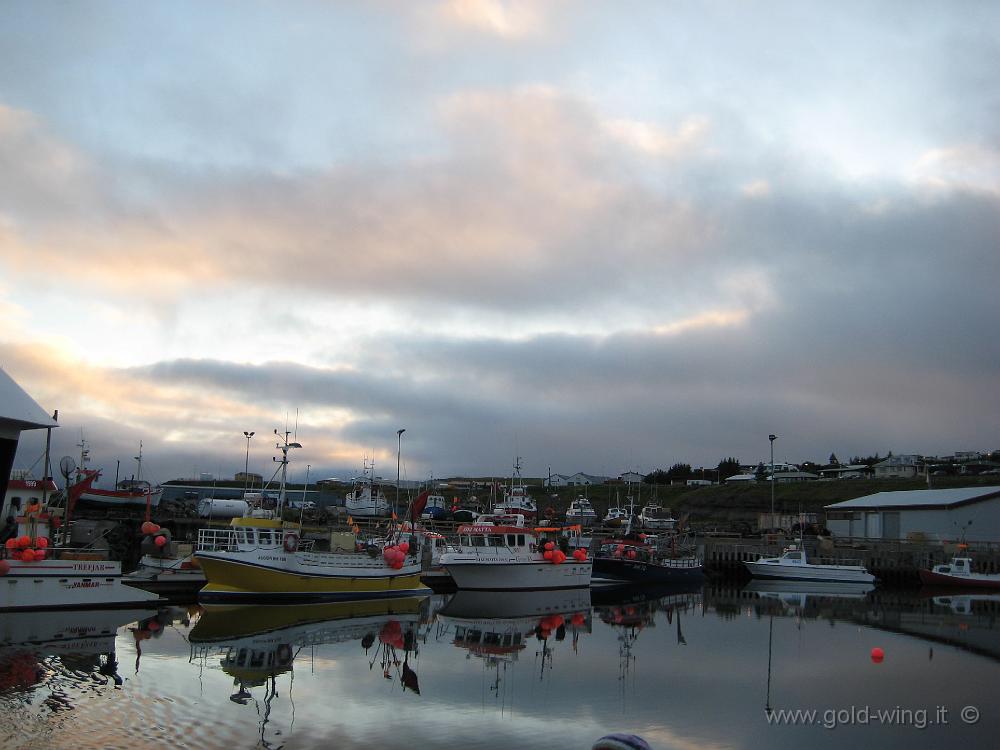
640,559
436,508
134,492
516,499
37,573
655,517
582,512
266,559
366,499
793,565
958,572
501,553
616,517
167,568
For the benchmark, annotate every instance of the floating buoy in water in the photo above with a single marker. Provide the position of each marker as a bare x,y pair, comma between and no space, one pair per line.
877,655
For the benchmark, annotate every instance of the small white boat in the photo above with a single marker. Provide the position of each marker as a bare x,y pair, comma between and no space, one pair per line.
366,499
502,554
582,512
793,566
616,517
516,498
655,517
958,572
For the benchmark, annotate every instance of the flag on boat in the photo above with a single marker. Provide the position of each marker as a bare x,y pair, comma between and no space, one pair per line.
419,504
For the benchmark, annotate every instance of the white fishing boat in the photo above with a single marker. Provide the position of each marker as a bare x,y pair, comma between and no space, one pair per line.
958,572
501,553
581,511
653,516
792,565
266,559
36,573
366,499
616,517
516,498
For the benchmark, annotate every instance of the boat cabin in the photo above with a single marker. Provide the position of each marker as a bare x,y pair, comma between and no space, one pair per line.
247,534
516,538
959,566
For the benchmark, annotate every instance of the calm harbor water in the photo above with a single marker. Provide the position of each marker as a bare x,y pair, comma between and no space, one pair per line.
683,669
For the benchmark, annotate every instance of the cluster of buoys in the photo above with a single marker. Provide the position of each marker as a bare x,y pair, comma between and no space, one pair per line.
558,557
620,551
25,549
552,623
391,634
160,535
396,554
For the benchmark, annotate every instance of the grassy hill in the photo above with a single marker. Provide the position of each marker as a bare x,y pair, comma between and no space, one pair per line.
725,505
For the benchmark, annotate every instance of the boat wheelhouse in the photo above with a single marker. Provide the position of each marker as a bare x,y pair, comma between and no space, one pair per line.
516,498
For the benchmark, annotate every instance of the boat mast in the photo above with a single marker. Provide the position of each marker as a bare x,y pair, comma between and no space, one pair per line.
283,447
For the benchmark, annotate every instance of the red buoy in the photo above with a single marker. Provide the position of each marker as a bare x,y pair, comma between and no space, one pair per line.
877,655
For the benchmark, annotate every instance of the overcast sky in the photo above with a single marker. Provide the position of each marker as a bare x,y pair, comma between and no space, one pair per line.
601,236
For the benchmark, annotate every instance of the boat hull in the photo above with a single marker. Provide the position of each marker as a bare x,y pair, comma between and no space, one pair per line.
619,570
249,576
56,584
115,499
478,575
930,578
832,573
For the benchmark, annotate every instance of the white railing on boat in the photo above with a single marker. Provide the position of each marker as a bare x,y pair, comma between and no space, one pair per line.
228,540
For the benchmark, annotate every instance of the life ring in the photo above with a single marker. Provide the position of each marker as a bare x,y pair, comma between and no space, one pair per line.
291,541
284,654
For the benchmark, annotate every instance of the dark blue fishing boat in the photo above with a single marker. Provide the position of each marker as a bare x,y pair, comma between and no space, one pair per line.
643,559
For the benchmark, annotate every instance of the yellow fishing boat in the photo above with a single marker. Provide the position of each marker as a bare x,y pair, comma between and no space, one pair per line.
263,558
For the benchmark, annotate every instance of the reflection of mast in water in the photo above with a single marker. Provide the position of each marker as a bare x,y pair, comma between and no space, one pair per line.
770,634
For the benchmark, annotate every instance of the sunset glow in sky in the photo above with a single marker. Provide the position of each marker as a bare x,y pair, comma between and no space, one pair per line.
601,236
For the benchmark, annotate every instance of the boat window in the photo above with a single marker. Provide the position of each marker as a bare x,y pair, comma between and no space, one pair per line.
492,639
520,540
263,537
511,540
794,555
478,541
496,540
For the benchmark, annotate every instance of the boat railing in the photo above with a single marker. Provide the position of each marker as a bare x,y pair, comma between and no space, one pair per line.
218,540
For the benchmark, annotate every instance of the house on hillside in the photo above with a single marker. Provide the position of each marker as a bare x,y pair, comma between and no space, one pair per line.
633,477
970,513
897,467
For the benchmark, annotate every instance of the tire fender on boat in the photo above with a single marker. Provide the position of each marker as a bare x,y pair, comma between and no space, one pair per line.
291,541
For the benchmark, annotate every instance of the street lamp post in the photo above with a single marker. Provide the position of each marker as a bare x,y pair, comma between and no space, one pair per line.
399,445
246,468
772,438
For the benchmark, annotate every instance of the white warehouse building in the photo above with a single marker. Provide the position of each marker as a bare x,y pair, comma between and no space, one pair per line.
969,513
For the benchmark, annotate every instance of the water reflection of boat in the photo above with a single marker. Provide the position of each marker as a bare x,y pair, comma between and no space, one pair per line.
797,592
498,626
84,640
